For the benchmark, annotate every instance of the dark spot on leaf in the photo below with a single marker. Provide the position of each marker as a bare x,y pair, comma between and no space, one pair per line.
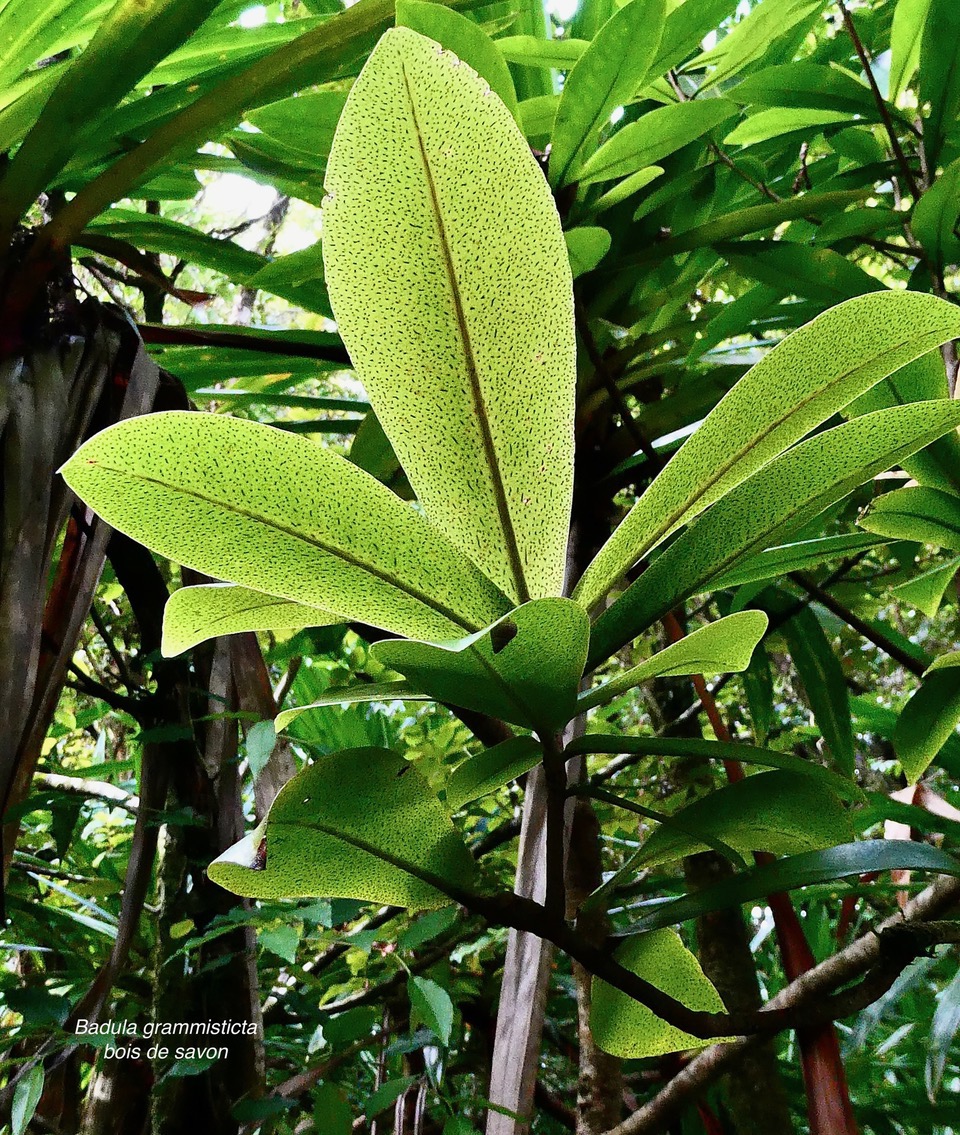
502,634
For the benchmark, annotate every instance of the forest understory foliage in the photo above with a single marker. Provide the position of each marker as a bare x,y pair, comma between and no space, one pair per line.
479,542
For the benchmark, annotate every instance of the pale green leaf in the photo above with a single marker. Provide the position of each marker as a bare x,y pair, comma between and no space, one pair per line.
608,75
272,511
928,516
194,614
626,1028
938,464
26,1096
778,121
930,717
532,51
909,18
466,39
776,501
430,1004
537,116
449,277
352,695
779,812
793,389
587,245
754,35
654,136
492,769
939,81
926,591
626,188
936,215
806,85
361,824
725,646
525,669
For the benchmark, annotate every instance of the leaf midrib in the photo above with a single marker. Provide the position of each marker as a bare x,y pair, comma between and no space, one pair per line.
479,404
311,541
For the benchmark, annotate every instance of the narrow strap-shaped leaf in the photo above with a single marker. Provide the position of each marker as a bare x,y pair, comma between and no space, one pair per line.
725,646
824,684
194,614
775,501
361,823
799,556
929,718
714,751
793,389
448,274
608,74
351,695
929,516
657,134
274,512
849,859
136,32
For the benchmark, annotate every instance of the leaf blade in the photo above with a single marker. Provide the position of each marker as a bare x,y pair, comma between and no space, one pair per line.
489,368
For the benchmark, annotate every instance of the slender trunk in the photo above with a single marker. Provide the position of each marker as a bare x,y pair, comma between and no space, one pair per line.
600,1082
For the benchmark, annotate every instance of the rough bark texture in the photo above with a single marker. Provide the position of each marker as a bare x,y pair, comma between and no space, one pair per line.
600,1081
758,1098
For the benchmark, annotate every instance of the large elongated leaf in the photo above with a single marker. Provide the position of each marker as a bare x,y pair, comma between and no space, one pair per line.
939,83
271,511
775,501
362,824
906,34
448,273
779,812
626,1028
525,669
721,647
929,516
351,695
608,74
929,718
194,614
793,389
938,464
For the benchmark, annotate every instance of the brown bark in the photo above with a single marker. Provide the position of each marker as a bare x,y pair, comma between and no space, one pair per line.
600,1080
757,1096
